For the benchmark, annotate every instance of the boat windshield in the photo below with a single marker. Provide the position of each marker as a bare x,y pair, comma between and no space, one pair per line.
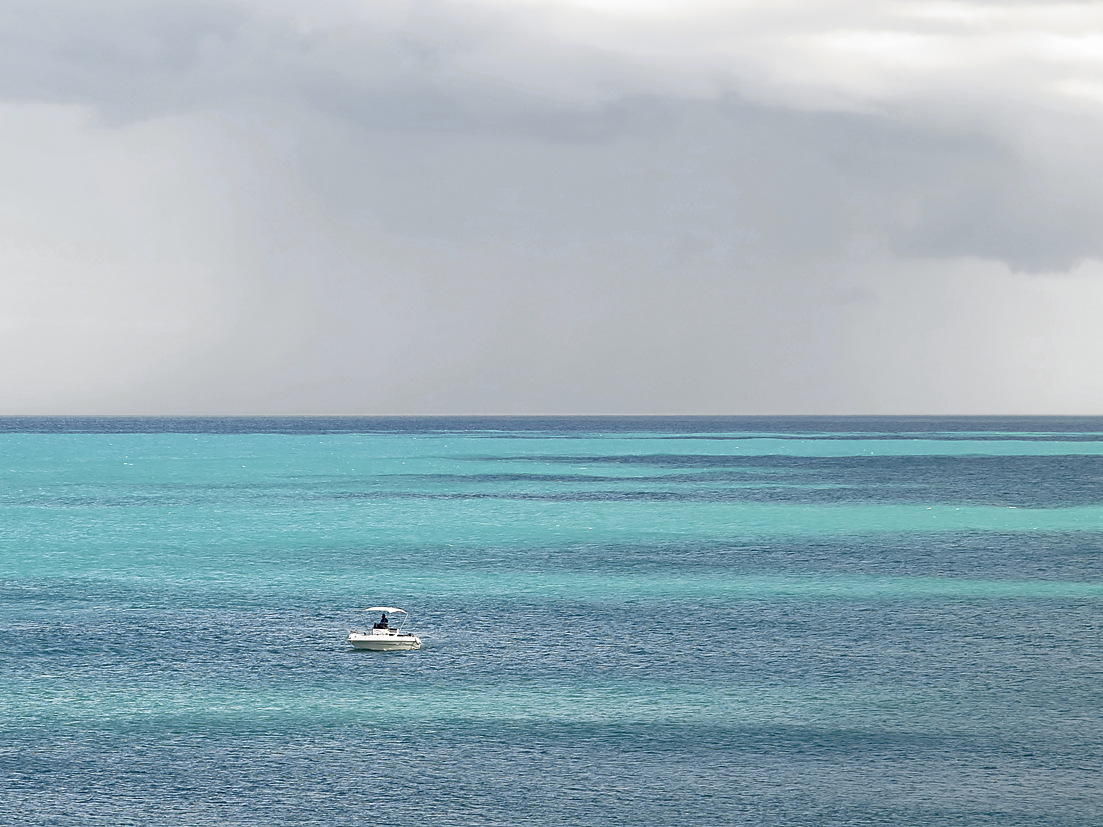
386,622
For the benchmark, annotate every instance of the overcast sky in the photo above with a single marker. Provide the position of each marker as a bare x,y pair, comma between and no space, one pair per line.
386,207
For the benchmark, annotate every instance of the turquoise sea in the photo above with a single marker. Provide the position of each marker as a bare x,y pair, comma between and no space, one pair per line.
629,621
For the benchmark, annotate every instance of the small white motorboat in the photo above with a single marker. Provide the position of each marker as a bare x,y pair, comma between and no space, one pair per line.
381,637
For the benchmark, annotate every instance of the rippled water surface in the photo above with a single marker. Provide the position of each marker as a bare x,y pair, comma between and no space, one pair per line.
625,621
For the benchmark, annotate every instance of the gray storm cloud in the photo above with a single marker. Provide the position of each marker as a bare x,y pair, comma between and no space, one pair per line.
481,207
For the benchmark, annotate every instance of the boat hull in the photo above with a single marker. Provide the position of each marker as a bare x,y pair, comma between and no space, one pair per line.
384,643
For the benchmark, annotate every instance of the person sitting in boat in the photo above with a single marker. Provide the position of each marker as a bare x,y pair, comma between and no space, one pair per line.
382,624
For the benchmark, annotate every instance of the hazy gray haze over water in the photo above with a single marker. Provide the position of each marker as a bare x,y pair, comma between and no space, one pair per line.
258,206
